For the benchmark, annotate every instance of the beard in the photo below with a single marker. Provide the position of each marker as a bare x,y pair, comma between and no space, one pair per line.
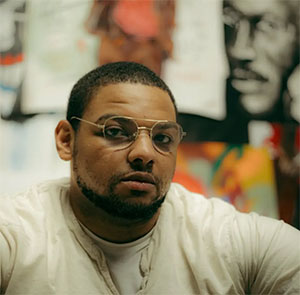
113,205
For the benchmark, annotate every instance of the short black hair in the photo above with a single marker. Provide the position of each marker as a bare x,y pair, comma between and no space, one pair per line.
111,73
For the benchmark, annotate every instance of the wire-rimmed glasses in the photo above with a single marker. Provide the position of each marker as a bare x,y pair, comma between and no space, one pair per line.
121,132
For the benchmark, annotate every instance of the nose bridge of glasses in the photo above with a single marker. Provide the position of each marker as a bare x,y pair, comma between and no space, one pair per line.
142,140
141,128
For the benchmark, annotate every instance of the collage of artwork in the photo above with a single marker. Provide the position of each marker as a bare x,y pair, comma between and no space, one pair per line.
235,78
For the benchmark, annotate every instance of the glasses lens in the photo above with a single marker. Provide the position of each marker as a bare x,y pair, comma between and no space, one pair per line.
120,131
166,136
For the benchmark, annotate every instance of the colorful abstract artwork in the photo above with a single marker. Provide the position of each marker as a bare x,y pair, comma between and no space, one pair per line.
239,174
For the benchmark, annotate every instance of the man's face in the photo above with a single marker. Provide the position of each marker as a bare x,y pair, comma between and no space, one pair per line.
131,182
260,43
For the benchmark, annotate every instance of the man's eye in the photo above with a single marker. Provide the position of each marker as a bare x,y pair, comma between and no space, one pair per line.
230,17
268,25
162,139
115,132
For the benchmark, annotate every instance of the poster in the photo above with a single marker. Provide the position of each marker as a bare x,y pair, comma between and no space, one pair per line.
59,51
12,25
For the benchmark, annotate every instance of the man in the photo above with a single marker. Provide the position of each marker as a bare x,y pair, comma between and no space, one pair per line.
118,225
262,45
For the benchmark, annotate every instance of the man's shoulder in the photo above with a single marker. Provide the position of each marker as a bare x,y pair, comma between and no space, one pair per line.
214,213
263,250
34,200
200,211
50,187
184,199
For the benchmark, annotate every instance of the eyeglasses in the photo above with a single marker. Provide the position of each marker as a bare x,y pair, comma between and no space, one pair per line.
121,132
265,24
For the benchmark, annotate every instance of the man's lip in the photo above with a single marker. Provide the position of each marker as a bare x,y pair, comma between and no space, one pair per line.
247,86
139,177
243,74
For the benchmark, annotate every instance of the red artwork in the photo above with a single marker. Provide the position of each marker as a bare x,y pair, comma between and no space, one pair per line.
138,31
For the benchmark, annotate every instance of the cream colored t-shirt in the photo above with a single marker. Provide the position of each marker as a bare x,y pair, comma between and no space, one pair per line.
198,246
123,261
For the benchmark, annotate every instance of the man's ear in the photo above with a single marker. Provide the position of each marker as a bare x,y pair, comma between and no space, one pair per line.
64,137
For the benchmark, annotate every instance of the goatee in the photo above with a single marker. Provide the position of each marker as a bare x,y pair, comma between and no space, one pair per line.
113,205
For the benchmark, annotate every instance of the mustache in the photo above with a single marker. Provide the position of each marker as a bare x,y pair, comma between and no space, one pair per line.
247,74
136,176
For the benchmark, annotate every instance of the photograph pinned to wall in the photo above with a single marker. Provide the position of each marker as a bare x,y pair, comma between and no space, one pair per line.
197,71
263,55
139,31
59,51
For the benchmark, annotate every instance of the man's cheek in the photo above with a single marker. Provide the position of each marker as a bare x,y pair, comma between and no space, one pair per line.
167,177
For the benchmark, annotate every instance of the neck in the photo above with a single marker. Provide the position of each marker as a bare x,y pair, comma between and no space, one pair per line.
107,227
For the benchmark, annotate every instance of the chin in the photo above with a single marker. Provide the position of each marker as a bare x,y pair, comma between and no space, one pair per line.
258,112
115,206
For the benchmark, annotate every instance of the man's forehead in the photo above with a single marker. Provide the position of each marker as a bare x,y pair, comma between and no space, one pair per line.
130,99
260,7
127,90
115,87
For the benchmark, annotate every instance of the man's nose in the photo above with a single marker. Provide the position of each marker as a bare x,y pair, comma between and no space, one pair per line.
242,46
142,152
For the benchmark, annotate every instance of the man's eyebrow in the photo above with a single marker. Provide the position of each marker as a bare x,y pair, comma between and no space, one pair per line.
104,117
167,124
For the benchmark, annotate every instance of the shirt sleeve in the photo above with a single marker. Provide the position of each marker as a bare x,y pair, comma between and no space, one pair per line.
268,254
8,248
9,232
